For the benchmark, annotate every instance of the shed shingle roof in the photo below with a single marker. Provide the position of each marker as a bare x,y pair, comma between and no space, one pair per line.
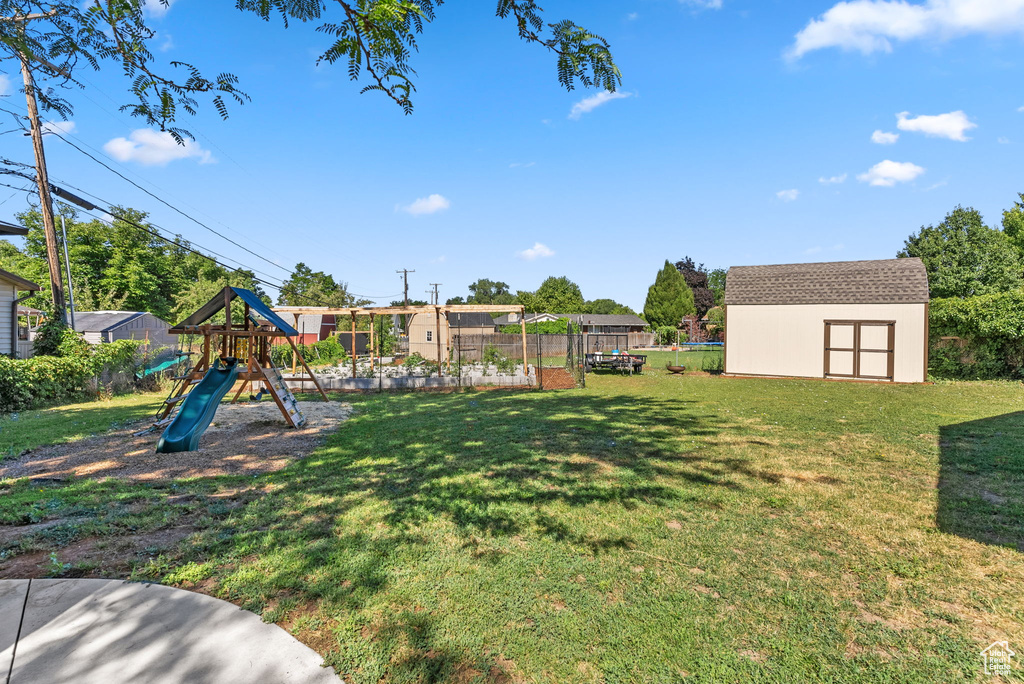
885,281
102,321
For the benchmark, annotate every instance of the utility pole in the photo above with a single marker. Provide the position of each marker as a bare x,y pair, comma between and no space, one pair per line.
42,180
405,319
405,275
436,299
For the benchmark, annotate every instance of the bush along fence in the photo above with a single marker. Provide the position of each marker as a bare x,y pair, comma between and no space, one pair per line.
78,370
977,338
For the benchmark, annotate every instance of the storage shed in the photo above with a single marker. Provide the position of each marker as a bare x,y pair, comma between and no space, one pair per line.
108,326
858,320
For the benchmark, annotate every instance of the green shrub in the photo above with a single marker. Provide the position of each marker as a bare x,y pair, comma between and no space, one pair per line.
42,380
558,327
50,336
666,334
713,363
493,357
984,336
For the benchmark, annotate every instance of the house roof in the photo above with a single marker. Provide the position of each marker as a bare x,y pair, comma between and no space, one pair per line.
102,321
20,282
609,319
470,320
583,319
884,281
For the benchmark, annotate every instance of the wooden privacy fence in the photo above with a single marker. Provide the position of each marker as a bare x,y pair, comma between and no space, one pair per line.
473,347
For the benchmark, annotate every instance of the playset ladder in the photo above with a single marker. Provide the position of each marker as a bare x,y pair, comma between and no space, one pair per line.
283,396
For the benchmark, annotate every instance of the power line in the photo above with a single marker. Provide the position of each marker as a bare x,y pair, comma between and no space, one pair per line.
171,206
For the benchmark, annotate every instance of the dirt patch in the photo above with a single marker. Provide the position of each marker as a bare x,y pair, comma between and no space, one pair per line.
95,556
243,439
556,378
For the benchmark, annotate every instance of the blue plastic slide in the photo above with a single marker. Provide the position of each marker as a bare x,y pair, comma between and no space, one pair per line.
198,408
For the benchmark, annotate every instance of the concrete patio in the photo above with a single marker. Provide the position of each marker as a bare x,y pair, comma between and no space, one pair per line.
113,632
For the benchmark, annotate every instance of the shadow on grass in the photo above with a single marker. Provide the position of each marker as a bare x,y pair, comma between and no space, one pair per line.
417,480
981,480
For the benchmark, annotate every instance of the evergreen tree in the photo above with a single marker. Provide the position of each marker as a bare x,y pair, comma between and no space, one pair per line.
668,299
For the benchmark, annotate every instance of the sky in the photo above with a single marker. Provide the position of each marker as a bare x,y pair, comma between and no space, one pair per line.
744,132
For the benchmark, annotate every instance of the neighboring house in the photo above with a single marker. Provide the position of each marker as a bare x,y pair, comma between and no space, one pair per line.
425,330
314,328
590,323
107,326
10,342
864,320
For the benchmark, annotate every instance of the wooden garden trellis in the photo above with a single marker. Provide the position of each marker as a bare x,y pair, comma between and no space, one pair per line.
436,309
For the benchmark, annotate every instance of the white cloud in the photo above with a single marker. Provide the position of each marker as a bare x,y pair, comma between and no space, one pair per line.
430,204
951,125
813,250
166,42
539,250
156,8
883,138
632,16
704,4
59,127
5,85
155,148
833,180
1003,140
869,26
888,173
521,165
589,104
1020,109
788,195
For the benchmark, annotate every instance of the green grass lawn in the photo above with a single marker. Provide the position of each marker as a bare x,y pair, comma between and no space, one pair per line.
69,423
651,528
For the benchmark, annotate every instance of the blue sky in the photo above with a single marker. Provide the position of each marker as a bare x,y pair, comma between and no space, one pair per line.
743,135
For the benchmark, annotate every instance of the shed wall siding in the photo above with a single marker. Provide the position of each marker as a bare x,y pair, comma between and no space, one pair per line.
789,340
7,296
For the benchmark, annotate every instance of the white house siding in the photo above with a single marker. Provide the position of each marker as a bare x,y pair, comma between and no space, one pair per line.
8,342
789,340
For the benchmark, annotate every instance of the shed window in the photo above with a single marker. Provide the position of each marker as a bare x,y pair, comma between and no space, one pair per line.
430,336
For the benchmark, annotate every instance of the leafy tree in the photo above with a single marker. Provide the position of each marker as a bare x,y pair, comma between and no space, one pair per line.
121,267
486,291
455,300
696,276
964,257
668,299
1013,225
716,281
307,287
375,38
555,295
557,327
607,306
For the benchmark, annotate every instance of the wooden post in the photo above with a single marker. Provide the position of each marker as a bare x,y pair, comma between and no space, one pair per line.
448,342
309,370
295,350
373,347
522,327
353,344
437,336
